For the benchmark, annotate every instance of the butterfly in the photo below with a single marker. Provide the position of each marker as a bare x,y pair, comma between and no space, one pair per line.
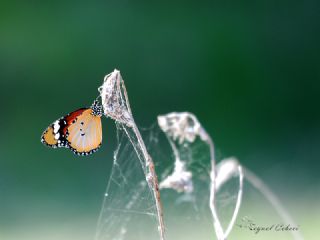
80,131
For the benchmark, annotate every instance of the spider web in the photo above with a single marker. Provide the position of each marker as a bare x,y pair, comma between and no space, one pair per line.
129,210
187,212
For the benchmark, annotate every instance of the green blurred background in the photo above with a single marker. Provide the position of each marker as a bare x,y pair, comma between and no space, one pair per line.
249,70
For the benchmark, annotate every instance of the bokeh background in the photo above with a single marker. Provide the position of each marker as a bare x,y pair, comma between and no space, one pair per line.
248,69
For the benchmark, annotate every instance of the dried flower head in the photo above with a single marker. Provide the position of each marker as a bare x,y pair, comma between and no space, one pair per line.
113,97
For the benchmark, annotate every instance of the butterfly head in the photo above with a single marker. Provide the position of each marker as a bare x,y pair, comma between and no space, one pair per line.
96,108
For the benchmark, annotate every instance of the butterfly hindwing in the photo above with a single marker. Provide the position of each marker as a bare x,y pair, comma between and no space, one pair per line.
84,134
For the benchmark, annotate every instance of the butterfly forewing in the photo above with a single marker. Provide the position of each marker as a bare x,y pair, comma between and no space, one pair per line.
54,135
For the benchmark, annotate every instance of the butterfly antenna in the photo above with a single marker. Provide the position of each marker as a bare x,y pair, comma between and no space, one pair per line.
96,100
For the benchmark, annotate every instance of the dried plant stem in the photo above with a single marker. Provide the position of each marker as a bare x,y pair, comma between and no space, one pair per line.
116,105
216,222
152,180
185,127
218,228
232,167
217,225
151,175
238,204
270,196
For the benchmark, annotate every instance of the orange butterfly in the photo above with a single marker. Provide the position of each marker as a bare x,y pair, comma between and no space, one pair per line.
80,131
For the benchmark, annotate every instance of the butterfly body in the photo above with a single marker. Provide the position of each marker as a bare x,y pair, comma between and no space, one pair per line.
80,131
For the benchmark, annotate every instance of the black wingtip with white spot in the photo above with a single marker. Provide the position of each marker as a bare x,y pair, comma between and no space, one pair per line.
61,141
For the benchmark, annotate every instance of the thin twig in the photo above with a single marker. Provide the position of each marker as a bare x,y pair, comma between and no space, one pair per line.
152,180
186,127
119,109
238,203
150,165
231,168
216,222
271,197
